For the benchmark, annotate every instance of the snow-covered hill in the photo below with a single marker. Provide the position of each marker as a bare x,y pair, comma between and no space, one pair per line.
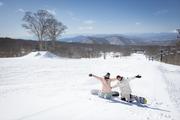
59,89
126,39
40,54
102,39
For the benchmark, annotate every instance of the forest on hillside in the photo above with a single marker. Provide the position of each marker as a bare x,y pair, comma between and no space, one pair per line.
18,47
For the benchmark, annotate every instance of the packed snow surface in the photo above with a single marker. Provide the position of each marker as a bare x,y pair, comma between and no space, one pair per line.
40,54
59,89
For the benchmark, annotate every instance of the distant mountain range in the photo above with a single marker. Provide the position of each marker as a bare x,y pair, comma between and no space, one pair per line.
126,39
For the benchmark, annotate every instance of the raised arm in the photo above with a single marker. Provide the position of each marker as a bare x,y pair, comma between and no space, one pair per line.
97,77
131,78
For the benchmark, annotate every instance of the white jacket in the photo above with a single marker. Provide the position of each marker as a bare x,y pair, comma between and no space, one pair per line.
124,86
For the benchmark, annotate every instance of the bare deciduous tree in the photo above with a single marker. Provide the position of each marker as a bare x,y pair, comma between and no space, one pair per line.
54,30
38,23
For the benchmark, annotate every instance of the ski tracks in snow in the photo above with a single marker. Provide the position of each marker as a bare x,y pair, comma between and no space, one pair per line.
60,89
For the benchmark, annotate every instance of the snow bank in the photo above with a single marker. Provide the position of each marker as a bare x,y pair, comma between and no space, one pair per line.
40,54
59,89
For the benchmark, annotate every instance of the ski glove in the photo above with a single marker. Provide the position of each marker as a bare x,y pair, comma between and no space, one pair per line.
138,76
90,75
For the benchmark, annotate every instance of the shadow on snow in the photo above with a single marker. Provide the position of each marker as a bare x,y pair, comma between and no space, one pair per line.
137,104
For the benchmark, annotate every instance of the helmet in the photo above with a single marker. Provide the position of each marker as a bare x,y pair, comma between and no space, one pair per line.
107,76
119,77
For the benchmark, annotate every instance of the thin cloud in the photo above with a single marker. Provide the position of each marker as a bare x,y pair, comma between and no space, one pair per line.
53,12
21,10
1,4
86,28
72,16
75,19
161,12
89,22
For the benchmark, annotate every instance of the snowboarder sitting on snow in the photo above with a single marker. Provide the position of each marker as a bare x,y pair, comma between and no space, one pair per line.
105,92
123,84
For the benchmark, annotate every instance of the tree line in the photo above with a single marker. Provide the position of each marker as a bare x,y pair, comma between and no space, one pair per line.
19,47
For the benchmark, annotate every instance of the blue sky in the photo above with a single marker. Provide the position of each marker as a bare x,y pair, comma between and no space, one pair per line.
94,16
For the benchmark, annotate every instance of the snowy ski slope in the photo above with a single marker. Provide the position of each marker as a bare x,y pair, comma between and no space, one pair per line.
59,89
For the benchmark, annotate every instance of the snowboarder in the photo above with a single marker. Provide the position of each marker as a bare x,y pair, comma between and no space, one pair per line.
105,92
125,89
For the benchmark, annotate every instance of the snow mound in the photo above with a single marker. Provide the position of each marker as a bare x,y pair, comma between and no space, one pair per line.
40,54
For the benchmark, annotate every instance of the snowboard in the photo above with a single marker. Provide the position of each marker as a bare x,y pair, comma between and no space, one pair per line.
134,98
138,99
96,92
